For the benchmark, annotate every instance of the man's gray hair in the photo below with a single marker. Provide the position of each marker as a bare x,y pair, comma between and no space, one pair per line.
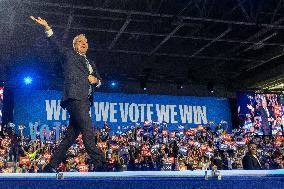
76,38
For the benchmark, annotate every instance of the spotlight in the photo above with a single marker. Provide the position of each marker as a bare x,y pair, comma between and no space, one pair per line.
179,85
210,87
113,84
28,80
143,85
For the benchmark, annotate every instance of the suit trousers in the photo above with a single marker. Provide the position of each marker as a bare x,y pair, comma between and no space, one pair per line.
79,122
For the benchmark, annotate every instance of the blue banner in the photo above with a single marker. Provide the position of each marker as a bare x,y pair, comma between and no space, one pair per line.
119,110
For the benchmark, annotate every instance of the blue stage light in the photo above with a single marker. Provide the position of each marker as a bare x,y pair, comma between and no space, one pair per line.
28,80
113,83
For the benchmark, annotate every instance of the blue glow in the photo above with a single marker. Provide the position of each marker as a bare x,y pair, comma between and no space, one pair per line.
28,80
113,83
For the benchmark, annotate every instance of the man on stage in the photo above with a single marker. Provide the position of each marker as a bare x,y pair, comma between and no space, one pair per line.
80,78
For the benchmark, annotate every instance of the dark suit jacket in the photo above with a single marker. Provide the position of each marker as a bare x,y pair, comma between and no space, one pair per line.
265,125
250,162
75,74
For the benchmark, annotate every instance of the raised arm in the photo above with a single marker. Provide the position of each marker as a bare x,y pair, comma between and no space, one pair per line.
49,33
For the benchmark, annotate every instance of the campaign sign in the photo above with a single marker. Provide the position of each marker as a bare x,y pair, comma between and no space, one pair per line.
121,110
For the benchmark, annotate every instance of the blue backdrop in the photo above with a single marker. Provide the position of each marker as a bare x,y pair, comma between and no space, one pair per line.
118,109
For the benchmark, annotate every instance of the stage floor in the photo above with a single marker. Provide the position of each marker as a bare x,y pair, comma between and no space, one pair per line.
142,174
231,179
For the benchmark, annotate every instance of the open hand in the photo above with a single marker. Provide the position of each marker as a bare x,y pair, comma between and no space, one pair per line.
41,21
92,79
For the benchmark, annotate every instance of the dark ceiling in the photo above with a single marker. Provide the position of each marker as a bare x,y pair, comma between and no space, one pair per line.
234,42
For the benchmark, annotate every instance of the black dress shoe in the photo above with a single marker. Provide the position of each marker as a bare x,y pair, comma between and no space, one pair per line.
49,169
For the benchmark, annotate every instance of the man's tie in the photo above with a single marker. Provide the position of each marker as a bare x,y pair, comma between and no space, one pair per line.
90,69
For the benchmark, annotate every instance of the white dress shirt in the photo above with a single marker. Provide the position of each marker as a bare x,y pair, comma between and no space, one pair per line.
49,33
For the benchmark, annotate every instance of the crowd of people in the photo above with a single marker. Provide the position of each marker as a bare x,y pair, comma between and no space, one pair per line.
150,147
